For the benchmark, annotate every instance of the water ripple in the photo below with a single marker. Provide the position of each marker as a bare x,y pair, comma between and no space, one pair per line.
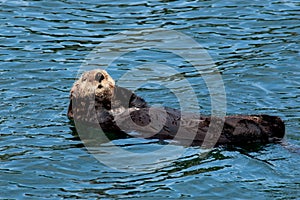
255,45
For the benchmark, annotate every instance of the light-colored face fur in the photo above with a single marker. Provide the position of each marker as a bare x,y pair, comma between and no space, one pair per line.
96,83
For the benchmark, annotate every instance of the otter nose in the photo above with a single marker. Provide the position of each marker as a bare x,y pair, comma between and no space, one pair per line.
99,77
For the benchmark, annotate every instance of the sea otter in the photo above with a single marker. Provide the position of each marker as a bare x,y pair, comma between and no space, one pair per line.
95,99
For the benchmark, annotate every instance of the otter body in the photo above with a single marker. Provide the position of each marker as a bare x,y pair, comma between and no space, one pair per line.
96,100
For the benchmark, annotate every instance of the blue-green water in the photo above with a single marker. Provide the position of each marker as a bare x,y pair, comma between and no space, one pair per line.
255,45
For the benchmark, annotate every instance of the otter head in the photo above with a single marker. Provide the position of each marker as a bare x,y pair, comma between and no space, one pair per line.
104,85
94,87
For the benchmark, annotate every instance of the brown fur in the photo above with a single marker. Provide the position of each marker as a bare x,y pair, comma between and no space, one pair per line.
95,99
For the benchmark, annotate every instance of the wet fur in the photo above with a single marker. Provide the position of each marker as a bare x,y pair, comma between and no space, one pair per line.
95,99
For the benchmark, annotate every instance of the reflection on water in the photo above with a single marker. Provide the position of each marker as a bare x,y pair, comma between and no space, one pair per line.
255,44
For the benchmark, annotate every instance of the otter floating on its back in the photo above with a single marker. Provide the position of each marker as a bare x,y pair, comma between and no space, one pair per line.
95,99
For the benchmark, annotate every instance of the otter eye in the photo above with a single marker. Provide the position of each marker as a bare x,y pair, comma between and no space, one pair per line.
99,77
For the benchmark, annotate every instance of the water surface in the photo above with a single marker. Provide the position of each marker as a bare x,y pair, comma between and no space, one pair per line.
255,45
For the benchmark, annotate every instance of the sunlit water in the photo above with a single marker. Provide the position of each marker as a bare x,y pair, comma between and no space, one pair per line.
255,45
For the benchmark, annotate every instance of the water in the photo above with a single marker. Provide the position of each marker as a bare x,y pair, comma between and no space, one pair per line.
255,45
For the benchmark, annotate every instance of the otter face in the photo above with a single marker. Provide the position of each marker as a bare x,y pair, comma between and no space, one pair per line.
96,82
104,85
93,87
